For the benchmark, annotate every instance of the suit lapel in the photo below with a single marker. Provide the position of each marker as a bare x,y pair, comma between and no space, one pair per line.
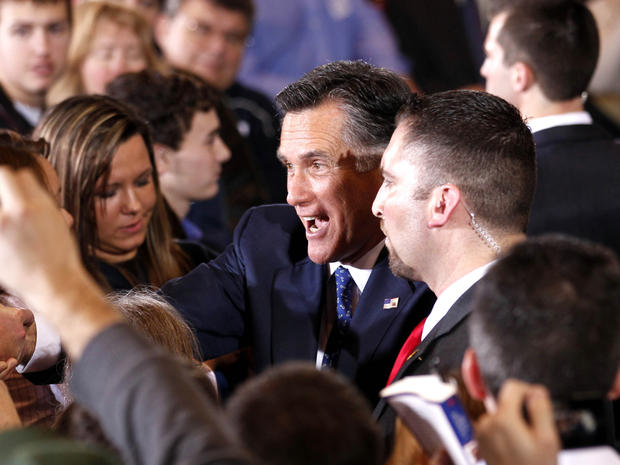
297,297
459,310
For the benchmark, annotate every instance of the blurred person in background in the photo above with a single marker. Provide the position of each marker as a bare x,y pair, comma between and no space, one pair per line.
108,40
207,37
34,36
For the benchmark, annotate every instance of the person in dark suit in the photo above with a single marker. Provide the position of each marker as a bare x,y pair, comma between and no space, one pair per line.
459,177
274,288
34,38
541,59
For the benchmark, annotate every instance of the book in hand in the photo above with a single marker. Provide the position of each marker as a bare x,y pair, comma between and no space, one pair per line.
431,409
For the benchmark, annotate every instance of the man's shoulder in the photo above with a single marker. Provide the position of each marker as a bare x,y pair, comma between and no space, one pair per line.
272,228
558,137
10,117
277,217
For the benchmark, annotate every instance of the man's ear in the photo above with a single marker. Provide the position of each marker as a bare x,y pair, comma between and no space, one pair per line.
521,77
162,158
470,370
614,393
443,201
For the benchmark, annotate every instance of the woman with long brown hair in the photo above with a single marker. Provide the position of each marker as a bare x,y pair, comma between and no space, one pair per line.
104,158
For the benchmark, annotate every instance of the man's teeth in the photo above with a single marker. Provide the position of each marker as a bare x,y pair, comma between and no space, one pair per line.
312,227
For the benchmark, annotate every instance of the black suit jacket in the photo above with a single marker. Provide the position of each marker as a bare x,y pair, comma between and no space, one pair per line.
578,190
10,118
441,350
265,292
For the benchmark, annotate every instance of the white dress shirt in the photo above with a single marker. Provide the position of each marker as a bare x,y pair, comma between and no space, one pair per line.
564,119
453,292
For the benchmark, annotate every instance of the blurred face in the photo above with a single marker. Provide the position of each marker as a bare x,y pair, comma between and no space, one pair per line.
192,172
205,39
401,205
115,50
332,199
494,70
18,334
33,47
124,206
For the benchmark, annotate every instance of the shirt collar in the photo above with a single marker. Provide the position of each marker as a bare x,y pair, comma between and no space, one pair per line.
446,299
563,119
360,270
30,114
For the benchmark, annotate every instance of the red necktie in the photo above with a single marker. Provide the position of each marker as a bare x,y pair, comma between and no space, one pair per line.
406,350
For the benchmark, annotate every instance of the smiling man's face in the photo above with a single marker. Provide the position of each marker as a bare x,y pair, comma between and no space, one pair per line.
332,198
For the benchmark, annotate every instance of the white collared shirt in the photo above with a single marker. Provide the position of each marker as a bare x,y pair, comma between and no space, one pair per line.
361,269
360,272
453,292
30,114
563,119
47,347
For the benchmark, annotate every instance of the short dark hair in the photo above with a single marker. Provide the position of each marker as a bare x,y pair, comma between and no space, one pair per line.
294,414
558,40
369,96
245,7
168,103
480,143
67,3
542,311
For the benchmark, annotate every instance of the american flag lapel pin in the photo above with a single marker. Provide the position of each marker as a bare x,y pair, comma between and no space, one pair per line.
390,303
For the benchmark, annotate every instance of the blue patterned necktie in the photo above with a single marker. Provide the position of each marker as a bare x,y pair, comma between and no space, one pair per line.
344,309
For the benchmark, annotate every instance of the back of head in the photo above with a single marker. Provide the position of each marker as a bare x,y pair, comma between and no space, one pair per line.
369,96
558,40
167,102
19,152
153,316
295,414
549,313
479,143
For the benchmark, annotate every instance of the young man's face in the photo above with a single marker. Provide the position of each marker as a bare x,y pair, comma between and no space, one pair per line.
206,39
494,70
192,172
33,45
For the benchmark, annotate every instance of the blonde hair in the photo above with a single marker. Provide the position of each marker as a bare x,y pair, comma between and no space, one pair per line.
88,16
153,316
84,134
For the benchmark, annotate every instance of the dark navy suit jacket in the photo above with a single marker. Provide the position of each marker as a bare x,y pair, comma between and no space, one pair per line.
578,190
441,350
265,292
